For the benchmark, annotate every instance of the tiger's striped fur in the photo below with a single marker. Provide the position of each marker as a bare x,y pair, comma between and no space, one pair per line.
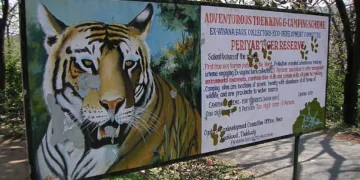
109,110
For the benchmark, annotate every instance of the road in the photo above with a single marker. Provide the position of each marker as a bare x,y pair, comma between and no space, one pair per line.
13,159
322,157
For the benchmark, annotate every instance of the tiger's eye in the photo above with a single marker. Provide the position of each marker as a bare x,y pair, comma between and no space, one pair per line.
87,62
129,63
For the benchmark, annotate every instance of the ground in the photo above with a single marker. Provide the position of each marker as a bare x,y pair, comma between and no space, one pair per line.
13,159
322,156
349,136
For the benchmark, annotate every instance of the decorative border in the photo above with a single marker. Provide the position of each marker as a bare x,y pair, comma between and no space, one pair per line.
26,97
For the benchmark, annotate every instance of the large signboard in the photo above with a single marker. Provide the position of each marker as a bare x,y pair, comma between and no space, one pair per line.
263,75
113,86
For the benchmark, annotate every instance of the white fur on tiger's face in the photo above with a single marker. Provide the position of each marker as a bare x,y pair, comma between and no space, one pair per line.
99,74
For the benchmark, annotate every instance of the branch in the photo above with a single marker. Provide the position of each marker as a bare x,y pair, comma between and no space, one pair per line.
14,6
316,3
281,1
336,26
5,10
346,24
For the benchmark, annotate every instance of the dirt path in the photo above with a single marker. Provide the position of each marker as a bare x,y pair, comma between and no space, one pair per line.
13,159
321,157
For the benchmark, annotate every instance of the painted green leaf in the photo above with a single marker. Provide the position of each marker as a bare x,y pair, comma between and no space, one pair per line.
230,103
214,127
310,118
215,138
225,102
234,109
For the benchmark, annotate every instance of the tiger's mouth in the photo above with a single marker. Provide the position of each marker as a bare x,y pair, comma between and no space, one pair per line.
109,133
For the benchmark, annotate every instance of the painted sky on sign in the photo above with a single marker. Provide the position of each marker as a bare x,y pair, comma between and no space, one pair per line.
108,11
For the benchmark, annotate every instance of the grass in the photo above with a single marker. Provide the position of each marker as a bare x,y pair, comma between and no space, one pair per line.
199,169
12,126
338,127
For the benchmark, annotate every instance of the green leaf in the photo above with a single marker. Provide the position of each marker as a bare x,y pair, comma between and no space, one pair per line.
214,127
230,103
311,117
225,102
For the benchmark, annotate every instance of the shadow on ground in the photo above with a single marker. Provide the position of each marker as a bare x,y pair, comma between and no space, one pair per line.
321,157
13,159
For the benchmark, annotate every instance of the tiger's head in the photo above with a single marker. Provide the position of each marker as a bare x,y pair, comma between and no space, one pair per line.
98,73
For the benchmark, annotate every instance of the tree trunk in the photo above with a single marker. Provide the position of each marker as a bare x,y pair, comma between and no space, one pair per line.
3,20
197,63
2,57
338,38
355,68
351,76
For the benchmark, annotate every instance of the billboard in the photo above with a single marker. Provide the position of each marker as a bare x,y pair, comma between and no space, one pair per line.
113,86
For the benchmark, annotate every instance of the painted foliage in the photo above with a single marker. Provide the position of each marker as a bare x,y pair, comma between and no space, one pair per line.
112,102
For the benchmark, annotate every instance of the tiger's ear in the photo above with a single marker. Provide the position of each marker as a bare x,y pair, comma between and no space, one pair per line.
50,25
142,21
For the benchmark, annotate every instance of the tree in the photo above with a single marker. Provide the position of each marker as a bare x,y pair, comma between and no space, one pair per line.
185,18
7,10
344,33
356,56
12,25
3,22
351,75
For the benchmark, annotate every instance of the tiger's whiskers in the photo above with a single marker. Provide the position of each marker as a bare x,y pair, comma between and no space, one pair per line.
151,126
134,126
142,124
143,110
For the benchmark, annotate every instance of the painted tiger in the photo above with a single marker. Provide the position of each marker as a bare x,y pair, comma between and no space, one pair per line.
109,111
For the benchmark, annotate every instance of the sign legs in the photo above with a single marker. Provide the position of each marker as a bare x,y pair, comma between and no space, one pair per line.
296,156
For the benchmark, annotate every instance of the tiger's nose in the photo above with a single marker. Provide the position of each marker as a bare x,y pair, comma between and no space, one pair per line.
112,105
